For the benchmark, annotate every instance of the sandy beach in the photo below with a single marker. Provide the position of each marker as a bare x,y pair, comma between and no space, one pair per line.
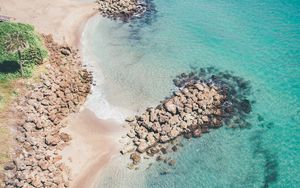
94,143
64,19
93,140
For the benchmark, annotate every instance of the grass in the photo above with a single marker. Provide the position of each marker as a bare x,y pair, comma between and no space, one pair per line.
31,56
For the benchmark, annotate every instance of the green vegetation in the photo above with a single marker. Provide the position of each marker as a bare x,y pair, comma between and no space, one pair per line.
21,49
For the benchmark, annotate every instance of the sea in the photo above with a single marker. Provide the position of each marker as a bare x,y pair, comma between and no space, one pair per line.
134,65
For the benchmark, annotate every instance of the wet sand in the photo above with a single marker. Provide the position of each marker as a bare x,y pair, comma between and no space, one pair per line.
94,143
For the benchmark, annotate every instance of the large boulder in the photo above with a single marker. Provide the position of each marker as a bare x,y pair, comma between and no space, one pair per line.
170,107
142,146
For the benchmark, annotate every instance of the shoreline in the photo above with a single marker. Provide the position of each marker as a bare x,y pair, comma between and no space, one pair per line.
68,20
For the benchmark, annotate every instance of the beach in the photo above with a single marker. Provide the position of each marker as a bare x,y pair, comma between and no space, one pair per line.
142,68
64,19
94,139
94,144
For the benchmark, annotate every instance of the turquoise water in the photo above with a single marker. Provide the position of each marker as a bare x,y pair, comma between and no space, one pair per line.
257,40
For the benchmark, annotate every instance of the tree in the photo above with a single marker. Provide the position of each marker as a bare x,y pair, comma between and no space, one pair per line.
16,42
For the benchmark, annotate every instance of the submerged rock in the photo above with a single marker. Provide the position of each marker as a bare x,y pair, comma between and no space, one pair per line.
135,157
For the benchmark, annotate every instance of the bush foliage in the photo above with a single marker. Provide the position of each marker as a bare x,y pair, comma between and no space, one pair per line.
31,56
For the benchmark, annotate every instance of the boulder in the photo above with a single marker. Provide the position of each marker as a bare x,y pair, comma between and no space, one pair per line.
174,133
150,138
135,157
130,119
172,162
51,140
9,166
65,137
199,86
174,148
197,133
164,138
170,107
142,146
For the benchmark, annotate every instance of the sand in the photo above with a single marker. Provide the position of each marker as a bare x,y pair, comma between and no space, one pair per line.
94,143
64,19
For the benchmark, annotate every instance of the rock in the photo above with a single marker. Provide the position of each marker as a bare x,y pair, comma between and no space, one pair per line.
204,129
130,166
150,138
172,162
51,140
188,135
199,86
174,133
43,164
164,138
166,128
245,106
135,157
170,107
174,148
197,133
65,137
9,166
142,132
156,127
163,150
205,118
130,119
20,164
154,150
160,158
36,182
142,146
131,133
153,116
65,52
127,149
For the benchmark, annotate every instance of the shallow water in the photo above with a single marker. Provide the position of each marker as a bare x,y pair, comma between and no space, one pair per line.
257,40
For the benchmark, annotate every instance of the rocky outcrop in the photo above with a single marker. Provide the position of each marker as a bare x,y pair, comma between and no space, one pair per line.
192,110
122,9
204,99
61,90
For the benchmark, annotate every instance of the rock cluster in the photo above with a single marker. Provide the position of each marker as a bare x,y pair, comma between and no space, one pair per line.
121,9
191,111
62,89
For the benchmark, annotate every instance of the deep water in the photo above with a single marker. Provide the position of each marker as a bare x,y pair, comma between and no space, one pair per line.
258,41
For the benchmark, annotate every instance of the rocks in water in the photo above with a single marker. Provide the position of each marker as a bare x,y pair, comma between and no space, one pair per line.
201,103
245,106
197,133
122,9
163,150
135,157
172,162
174,148
62,89
142,146
186,112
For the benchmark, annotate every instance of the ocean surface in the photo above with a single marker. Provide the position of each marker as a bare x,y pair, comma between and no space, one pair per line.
134,65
